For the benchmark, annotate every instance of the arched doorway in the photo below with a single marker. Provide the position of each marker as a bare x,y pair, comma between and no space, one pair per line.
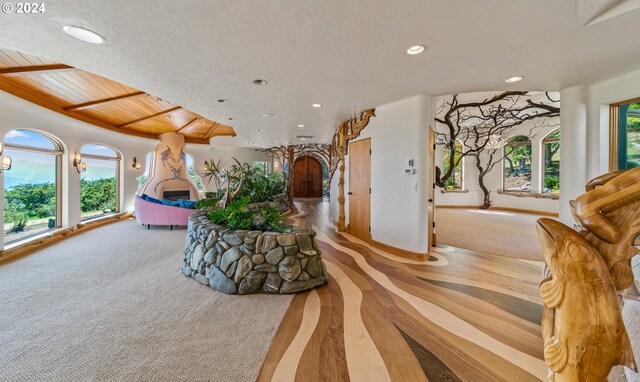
307,177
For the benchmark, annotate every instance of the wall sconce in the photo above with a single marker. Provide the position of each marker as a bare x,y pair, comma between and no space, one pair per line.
135,164
6,160
78,164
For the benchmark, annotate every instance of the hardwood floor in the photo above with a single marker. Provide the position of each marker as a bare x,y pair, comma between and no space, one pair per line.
458,316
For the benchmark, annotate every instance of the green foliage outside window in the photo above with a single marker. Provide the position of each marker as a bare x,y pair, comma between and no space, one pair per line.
551,147
633,135
98,195
26,202
517,164
454,182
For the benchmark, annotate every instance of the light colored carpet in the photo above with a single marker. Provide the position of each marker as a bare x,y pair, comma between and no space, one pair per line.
112,304
499,232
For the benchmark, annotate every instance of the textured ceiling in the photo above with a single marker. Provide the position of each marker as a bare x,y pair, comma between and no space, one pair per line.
347,55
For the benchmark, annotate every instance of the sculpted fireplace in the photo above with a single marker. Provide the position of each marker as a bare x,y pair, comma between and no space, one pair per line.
168,178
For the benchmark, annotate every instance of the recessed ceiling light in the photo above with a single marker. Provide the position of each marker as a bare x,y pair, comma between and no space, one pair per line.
416,49
222,100
300,125
259,82
83,34
303,139
231,119
317,105
513,79
268,115
259,130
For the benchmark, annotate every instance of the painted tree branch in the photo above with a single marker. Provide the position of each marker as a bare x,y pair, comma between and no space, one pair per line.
319,151
479,125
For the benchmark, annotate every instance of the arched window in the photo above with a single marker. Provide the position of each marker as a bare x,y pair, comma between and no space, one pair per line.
32,187
191,172
517,164
148,164
551,163
99,184
455,181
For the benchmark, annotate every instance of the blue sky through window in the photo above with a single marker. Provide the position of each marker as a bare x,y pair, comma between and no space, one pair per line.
101,150
28,138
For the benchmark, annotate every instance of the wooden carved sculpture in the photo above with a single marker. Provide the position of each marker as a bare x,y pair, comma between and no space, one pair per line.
610,214
582,324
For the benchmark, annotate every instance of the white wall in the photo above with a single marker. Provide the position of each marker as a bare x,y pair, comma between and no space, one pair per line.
585,121
493,180
16,113
398,132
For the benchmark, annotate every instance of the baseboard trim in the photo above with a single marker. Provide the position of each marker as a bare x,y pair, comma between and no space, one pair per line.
33,245
536,212
400,252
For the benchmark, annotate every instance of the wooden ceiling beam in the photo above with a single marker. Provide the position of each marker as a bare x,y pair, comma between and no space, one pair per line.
180,130
34,69
104,101
211,130
149,116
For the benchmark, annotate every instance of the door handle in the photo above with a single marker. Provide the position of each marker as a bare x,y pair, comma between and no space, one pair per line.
349,193
430,200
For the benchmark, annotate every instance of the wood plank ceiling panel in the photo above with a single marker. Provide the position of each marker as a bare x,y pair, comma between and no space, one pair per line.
200,128
163,122
97,100
44,89
16,59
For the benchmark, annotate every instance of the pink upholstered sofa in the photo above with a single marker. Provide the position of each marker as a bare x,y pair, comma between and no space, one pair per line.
157,214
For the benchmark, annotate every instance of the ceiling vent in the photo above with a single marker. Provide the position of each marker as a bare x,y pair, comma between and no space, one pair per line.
305,136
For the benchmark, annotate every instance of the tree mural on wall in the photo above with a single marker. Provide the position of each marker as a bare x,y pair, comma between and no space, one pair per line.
483,127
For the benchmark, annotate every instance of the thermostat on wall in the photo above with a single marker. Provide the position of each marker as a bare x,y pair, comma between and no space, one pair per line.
409,171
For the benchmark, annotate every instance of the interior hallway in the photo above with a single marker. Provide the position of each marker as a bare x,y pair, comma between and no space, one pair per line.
460,316
500,232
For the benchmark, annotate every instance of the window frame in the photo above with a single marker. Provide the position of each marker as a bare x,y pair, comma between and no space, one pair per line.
117,159
195,184
614,131
148,167
461,164
529,143
543,167
58,153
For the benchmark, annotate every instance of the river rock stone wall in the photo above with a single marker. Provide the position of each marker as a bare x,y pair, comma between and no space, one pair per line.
245,262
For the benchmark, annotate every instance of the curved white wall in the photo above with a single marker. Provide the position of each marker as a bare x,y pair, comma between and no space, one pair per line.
585,129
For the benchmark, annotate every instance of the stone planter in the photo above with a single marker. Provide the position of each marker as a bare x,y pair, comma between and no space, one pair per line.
246,262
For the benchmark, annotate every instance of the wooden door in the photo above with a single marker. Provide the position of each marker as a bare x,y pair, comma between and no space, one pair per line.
314,178
307,178
360,189
431,194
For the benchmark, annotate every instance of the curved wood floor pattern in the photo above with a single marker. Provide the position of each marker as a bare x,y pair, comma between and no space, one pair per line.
460,316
